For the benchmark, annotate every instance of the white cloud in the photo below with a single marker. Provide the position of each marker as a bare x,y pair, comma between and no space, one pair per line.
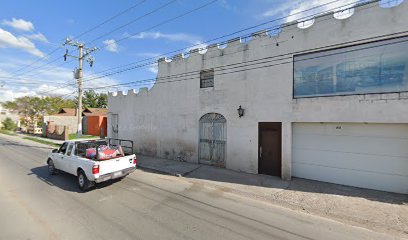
19,24
111,45
8,40
153,69
52,82
296,10
175,37
38,37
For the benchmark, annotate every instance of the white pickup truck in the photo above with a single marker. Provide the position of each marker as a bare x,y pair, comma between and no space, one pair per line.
81,159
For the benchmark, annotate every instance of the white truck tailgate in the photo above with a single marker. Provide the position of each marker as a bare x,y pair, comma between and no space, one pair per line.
116,164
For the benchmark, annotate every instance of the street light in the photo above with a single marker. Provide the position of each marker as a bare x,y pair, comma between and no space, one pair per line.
240,111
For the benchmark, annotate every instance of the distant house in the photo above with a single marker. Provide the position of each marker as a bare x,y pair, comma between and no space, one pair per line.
65,117
94,121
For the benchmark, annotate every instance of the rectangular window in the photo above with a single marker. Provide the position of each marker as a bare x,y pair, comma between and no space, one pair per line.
377,67
207,78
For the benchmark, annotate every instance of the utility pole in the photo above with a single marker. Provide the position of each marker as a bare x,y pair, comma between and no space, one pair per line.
78,73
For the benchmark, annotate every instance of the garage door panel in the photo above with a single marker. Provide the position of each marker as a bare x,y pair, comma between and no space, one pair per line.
358,162
354,144
363,129
349,177
357,154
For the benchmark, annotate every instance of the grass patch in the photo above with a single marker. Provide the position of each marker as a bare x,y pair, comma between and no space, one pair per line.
42,141
7,132
73,136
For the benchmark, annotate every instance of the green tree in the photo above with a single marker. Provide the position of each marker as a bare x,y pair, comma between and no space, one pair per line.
32,109
9,124
92,99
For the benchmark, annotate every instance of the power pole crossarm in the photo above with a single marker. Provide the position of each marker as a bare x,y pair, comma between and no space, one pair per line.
83,53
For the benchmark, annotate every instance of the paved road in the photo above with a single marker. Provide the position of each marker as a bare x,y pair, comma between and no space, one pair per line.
145,205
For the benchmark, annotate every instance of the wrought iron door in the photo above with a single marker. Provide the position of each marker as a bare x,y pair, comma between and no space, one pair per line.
115,127
212,139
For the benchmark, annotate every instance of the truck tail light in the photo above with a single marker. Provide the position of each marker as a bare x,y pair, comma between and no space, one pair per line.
134,160
95,169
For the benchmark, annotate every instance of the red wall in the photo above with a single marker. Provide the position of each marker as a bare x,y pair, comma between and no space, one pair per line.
95,123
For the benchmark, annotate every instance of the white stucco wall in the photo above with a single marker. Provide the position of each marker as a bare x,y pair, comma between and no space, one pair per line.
165,120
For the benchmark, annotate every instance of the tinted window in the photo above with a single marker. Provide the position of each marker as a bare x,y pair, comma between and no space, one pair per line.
377,67
63,148
207,78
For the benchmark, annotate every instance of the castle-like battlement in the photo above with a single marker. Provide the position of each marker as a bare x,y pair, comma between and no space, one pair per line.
277,35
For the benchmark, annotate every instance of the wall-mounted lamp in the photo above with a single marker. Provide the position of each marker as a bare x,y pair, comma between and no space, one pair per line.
240,111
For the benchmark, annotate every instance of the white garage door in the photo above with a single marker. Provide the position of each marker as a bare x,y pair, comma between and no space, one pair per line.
371,156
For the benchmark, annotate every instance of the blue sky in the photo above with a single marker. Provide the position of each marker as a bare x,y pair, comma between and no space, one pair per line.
28,31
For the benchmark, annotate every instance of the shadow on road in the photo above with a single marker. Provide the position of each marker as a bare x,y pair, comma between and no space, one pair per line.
63,180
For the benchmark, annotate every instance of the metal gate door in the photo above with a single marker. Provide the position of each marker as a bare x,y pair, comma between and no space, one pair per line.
115,127
212,139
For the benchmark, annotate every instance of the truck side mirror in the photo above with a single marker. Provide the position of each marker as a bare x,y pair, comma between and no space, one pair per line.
55,150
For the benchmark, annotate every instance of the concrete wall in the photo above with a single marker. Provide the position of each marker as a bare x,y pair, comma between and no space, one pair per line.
70,121
59,132
165,120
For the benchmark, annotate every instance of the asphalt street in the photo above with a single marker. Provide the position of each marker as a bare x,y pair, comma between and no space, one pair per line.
145,205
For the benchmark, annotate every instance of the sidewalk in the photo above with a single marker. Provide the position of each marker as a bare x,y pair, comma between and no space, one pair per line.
21,135
375,210
245,184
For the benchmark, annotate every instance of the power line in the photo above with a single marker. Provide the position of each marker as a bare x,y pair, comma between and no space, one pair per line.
162,23
243,30
223,68
224,36
110,19
134,20
81,34
131,68
150,63
351,4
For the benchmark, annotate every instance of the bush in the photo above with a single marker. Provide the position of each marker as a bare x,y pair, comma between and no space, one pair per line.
9,124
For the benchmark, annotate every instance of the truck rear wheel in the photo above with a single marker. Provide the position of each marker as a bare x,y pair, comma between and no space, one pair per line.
83,181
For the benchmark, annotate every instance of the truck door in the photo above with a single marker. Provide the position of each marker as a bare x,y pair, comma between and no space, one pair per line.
59,155
69,160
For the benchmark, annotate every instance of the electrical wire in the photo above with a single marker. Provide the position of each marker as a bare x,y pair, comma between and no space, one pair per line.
81,34
150,63
133,21
239,31
224,35
225,70
160,24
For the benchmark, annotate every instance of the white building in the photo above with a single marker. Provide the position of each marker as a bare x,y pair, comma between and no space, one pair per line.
324,99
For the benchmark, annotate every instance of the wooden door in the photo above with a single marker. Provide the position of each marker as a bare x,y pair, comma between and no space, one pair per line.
269,149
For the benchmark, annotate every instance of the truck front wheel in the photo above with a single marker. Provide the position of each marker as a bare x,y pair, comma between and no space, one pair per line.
51,167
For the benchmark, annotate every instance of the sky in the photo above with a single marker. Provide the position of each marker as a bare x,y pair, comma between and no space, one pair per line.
125,32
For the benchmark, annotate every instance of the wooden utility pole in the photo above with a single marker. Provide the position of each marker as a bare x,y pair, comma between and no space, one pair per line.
78,73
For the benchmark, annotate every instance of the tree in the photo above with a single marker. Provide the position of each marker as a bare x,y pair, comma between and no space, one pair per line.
92,99
9,124
33,108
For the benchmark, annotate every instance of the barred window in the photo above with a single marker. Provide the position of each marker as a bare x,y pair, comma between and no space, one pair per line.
207,78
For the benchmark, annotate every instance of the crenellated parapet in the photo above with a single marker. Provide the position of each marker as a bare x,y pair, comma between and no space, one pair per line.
281,38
